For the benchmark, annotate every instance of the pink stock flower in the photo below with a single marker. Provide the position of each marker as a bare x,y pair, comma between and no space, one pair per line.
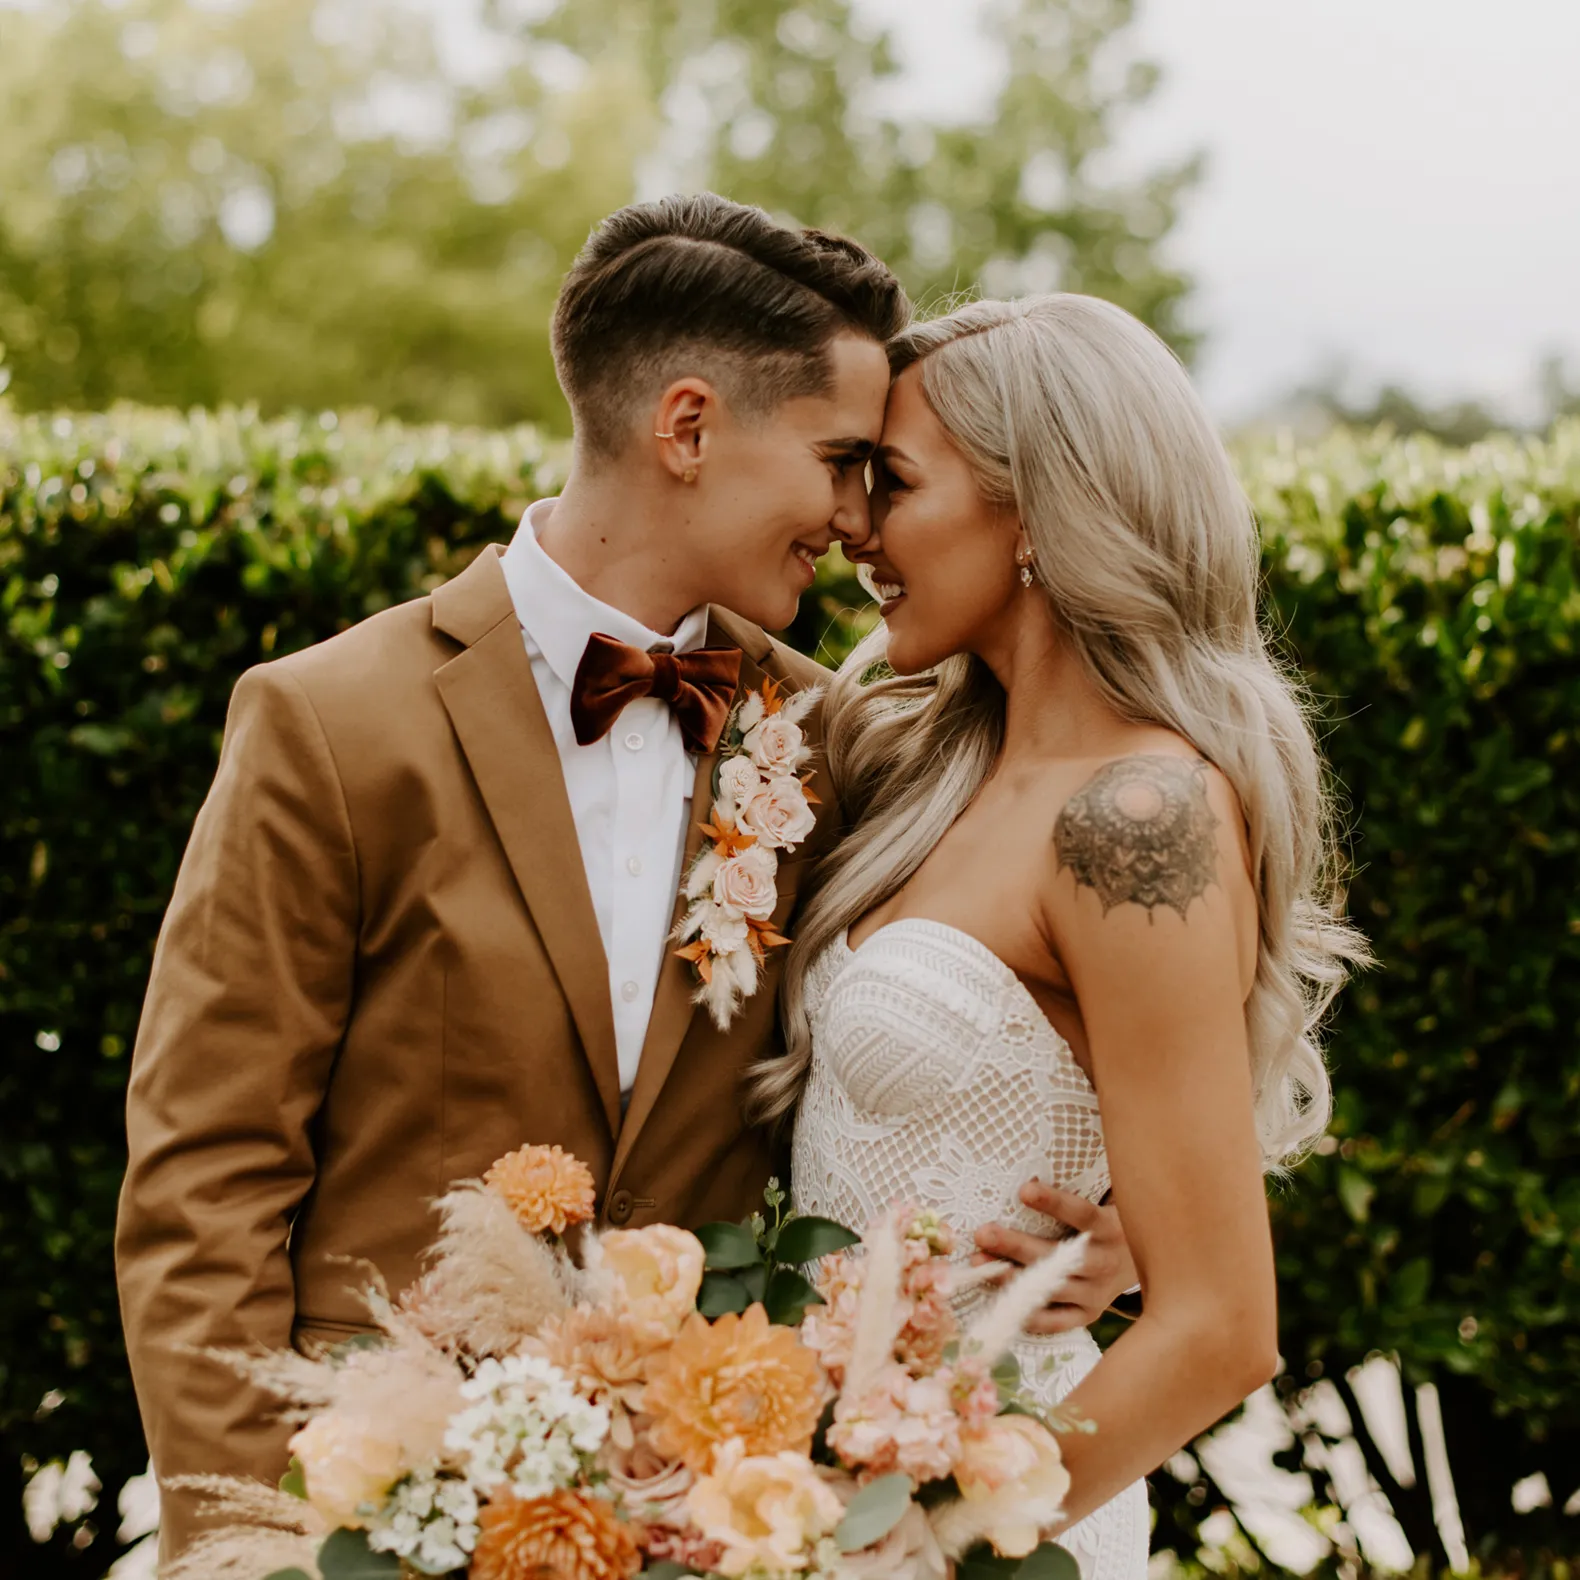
901,1423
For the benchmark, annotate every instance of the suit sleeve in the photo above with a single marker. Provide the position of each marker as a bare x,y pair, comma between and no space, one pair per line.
248,1000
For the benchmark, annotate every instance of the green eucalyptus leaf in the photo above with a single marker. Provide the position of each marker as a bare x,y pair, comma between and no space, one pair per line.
1048,1561
294,1481
789,1294
288,1574
806,1239
728,1245
754,1280
721,1293
665,1569
346,1555
873,1513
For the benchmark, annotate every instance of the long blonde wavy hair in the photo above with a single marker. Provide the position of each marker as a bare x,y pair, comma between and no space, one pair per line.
1081,419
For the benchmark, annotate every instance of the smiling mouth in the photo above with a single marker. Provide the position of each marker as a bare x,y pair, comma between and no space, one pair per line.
890,594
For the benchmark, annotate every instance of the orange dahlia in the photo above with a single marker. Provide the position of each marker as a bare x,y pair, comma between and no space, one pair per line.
547,1188
564,1536
738,1377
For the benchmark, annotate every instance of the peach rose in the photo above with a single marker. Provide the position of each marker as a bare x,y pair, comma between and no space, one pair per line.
766,1511
659,1271
746,883
651,1487
777,813
777,746
346,1465
1013,1470
909,1552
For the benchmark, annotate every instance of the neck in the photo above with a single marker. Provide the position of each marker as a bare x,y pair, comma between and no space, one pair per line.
617,537
1052,708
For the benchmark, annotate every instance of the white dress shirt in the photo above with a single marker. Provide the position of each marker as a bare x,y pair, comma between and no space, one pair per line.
630,792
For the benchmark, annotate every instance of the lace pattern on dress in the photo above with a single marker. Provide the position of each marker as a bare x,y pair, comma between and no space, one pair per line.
936,1077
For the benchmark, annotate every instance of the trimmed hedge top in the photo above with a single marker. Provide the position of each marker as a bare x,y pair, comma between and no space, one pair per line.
147,558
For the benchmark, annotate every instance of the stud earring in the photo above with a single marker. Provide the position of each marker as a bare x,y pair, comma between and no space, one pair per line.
689,475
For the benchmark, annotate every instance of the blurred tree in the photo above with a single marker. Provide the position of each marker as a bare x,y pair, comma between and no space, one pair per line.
305,205
293,204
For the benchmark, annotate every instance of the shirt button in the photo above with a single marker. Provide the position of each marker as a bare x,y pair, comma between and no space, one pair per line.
633,742
634,866
628,991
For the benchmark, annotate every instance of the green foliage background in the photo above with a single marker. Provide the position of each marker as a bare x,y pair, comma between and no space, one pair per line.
1431,597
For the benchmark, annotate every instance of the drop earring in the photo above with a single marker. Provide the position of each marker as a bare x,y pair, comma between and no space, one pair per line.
1027,575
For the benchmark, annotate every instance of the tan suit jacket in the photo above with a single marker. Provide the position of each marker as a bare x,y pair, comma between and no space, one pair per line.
379,971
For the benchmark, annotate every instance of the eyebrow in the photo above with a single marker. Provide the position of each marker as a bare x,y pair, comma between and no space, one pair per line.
855,449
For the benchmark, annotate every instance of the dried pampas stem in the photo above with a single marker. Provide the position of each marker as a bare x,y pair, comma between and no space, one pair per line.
491,1284
878,1318
1000,1324
265,1530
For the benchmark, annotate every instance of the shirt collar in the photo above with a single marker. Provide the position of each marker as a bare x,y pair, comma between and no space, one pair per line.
559,616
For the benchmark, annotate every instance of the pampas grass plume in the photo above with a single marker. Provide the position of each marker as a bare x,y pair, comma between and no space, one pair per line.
1000,1323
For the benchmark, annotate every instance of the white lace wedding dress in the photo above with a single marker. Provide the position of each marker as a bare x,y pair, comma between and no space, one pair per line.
936,1078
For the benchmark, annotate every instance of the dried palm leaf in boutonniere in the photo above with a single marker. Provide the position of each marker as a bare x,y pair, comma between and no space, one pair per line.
761,809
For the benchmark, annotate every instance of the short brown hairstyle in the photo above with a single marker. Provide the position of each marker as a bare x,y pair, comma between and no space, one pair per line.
702,285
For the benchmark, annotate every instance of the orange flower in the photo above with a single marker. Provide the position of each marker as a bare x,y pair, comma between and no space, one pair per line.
605,1353
561,1537
547,1188
739,1377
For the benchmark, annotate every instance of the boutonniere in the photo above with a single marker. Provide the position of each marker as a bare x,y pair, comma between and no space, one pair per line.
761,809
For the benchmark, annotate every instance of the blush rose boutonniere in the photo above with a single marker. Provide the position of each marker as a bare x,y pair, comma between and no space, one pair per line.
762,809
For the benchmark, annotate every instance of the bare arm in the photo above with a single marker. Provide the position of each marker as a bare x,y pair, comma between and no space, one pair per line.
1147,898
249,996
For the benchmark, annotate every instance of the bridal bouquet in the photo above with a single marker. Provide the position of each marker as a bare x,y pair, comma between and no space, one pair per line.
676,1404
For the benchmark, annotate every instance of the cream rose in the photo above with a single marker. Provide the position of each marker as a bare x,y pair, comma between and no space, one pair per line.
746,883
1011,1468
650,1486
345,1465
659,1271
777,813
724,930
776,745
739,778
766,1511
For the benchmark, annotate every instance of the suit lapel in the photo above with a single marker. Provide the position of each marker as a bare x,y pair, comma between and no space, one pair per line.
672,1003
491,697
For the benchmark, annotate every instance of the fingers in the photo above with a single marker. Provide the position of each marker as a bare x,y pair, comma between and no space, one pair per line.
1064,1205
1060,1319
1013,1245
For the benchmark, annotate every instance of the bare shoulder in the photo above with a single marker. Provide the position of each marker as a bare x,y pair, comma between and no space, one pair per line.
1157,830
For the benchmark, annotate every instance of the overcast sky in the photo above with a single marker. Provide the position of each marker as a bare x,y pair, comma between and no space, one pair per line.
1393,183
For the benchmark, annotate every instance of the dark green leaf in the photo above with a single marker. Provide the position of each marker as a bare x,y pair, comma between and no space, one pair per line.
873,1513
665,1569
729,1245
346,1555
754,1280
721,1293
288,1574
805,1239
1048,1561
789,1294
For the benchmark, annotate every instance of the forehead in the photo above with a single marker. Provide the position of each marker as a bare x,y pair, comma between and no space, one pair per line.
853,404
908,421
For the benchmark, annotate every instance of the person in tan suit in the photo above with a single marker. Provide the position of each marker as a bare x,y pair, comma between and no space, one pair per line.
423,916
422,920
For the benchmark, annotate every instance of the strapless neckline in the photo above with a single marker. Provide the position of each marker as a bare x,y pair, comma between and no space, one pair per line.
989,958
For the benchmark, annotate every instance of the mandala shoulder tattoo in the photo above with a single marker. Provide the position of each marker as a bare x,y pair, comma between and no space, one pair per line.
1141,831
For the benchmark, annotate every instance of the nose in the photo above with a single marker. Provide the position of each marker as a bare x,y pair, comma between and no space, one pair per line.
870,546
852,520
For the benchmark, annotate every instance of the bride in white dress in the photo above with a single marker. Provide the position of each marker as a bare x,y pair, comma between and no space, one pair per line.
1083,921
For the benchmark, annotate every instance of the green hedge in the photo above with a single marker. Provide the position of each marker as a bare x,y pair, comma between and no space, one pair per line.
147,558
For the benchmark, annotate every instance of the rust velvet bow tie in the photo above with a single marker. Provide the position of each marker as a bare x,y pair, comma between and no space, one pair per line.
698,687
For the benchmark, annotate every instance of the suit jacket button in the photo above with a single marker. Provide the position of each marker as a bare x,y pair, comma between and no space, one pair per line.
620,1205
